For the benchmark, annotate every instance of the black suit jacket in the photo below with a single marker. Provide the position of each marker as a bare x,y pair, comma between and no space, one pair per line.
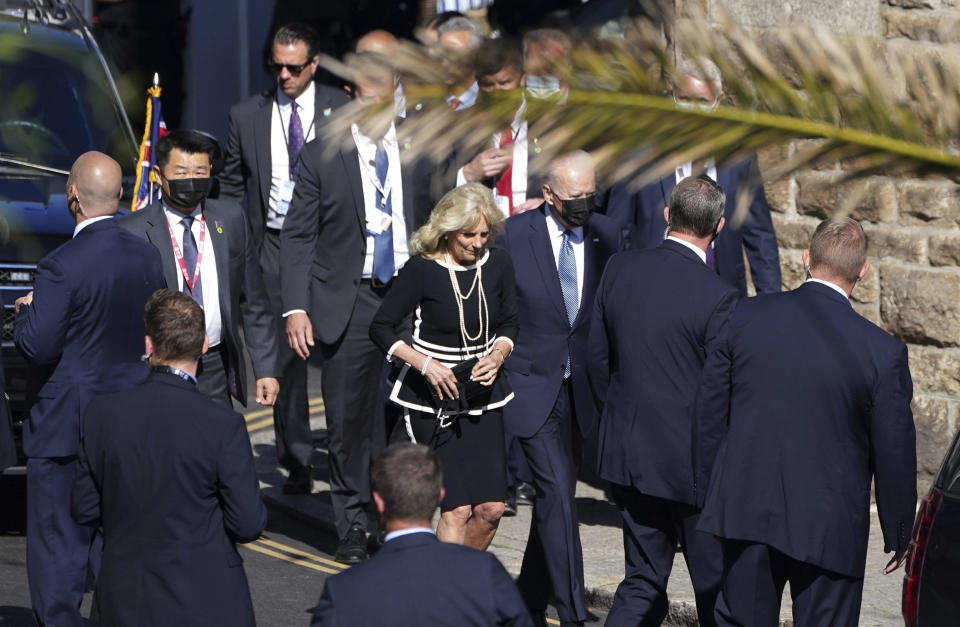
248,167
640,215
814,400
417,580
243,297
324,240
656,314
535,367
85,327
169,475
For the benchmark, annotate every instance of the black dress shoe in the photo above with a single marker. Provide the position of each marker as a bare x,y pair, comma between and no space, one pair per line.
353,548
510,504
300,481
526,493
375,541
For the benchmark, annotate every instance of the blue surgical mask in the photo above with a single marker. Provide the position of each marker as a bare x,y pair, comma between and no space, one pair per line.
694,106
543,87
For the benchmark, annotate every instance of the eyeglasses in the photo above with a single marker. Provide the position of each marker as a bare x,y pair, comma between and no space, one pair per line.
276,68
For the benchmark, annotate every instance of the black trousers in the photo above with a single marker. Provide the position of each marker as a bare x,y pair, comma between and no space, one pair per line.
754,576
353,392
553,560
291,412
652,527
212,376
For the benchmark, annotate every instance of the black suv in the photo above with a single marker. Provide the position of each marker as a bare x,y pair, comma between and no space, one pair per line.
58,101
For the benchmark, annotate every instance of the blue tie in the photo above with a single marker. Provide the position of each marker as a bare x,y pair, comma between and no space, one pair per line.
567,269
190,259
383,266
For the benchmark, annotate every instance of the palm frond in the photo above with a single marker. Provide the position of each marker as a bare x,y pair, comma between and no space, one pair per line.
874,112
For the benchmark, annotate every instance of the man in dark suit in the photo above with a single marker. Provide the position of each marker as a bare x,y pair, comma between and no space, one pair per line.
206,249
342,242
808,401
267,133
82,323
656,315
169,475
417,579
640,214
558,253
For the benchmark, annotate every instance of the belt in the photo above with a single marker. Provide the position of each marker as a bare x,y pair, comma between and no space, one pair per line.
375,283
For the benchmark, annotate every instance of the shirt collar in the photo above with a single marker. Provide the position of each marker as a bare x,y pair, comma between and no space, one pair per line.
468,98
556,229
176,215
308,97
702,255
396,533
87,223
832,286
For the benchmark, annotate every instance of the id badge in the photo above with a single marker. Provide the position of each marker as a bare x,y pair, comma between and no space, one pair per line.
286,195
378,222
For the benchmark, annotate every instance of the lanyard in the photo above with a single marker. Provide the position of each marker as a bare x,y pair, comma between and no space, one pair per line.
179,254
283,127
186,376
371,170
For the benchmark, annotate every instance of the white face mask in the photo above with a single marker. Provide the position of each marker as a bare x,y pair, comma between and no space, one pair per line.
695,106
543,87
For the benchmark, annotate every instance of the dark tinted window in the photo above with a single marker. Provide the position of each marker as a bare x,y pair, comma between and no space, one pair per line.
57,103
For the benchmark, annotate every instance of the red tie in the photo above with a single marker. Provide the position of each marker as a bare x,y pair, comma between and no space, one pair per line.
454,103
505,182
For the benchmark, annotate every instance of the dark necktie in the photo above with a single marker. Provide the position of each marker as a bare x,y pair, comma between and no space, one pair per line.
711,258
190,260
383,266
296,141
567,269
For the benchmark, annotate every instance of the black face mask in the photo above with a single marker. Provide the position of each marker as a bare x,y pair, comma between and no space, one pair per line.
186,193
576,211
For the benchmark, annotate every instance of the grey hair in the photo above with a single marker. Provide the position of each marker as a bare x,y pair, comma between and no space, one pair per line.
566,160
702,69
463,23
838,249
544,35
696,206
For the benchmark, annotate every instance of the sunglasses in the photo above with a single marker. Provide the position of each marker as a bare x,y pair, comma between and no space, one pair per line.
276,68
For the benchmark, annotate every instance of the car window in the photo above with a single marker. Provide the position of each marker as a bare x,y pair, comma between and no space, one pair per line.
57,103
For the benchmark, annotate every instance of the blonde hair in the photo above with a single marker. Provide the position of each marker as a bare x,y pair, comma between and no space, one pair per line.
459,209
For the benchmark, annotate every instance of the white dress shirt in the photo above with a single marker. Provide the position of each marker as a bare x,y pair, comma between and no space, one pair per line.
405,532
88,222
279,154
833,286
467,99
366,153
700,253
685,170
209,281
555,231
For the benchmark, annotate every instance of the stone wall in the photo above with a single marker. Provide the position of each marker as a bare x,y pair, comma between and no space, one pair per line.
913,288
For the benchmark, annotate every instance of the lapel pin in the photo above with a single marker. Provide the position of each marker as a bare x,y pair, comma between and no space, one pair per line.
219,226
419,106
327,112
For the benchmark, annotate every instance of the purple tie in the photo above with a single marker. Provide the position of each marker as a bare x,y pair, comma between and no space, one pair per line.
296,141
711,261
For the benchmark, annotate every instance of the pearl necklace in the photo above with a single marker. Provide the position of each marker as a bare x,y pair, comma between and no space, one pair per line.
483,315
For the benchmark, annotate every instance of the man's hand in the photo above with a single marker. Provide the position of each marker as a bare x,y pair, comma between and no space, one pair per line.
23,300
300,334
267,390
898,558
489,163
527,205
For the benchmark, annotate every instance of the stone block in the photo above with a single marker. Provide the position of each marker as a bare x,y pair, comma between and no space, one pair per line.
936,27
911,4
920,306
793,232
843,16
934,433
896,242
822,194
781,195
792,273
935,370
867,290
868,311
930,204
944,250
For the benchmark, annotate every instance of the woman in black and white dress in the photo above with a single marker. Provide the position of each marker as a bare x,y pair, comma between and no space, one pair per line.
462,298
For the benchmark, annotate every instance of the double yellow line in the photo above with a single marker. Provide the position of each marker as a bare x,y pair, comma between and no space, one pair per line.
266,546
264,417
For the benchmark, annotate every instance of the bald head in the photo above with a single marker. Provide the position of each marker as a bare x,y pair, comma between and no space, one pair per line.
378,41
571,168
94,183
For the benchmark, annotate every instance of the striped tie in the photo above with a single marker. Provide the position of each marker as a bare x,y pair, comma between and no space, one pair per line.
567,269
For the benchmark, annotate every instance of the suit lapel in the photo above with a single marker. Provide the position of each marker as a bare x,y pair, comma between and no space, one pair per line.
221,251
667,184
543,254
591,271
351,164
158,233
261,133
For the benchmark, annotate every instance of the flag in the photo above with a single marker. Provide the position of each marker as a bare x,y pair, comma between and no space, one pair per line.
147,188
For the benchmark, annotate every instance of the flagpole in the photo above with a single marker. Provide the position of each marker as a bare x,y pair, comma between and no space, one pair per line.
155,85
